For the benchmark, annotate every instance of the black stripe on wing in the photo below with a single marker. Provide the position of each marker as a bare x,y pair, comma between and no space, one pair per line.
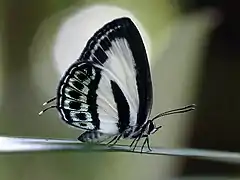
122,107
143,75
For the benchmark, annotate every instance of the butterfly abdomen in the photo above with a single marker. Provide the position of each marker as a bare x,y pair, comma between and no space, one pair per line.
92,137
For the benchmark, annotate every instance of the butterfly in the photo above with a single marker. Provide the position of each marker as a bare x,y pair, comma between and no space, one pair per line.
108,91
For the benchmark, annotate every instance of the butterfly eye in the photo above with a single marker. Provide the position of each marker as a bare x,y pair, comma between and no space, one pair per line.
151,127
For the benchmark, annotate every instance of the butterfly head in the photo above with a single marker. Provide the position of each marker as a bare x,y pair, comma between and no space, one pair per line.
151,128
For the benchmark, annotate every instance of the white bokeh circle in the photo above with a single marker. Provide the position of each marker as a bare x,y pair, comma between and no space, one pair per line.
75,31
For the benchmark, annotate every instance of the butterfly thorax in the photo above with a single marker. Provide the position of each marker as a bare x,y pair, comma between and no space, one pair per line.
146,129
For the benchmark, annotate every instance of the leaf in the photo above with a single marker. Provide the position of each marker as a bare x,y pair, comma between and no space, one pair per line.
10,145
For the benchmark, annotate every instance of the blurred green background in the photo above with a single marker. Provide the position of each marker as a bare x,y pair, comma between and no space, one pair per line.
194,59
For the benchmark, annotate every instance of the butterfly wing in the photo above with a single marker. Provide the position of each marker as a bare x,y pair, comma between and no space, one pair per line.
109,88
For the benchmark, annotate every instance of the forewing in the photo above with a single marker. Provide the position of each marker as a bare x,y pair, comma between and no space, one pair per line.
119,48
119,75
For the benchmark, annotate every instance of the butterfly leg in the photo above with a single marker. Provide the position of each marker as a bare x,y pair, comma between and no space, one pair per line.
133,142
146,141
114,140
137,140
148,144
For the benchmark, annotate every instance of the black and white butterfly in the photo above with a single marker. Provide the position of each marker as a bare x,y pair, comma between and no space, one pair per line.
108,90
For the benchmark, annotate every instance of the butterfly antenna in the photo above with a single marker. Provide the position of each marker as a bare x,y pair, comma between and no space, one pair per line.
40,113
176,111
50,100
